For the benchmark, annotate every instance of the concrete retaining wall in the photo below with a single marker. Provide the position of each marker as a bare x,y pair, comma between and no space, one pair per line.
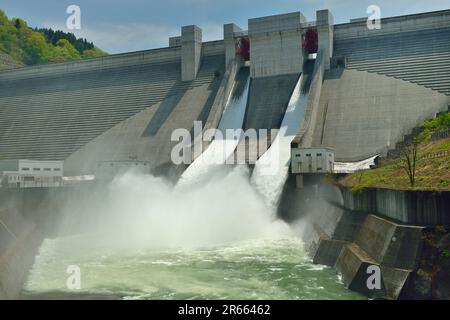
330,225
341,235
19,242
425,208
27,216
393,248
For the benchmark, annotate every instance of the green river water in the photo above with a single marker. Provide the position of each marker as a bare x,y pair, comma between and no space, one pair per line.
251,269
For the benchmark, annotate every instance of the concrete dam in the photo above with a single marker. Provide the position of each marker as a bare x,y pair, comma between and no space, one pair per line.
356,97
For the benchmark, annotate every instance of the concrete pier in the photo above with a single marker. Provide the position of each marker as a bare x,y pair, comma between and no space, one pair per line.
276,45
325,30
191,52
230,32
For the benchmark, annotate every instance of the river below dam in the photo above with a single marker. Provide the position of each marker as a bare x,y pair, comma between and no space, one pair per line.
252,269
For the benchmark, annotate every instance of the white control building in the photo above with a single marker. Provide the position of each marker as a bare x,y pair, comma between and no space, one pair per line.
311,160
30,173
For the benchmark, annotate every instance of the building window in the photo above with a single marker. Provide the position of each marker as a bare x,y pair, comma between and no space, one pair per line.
57,169
36,169
47,169
25,169
319,154
308,155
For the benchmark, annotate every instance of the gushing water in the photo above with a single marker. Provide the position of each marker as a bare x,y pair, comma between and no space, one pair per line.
222,147
271,170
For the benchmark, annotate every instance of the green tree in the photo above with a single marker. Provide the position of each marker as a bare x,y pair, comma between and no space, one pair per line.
409,159
33,46
93,53
64,50
3,18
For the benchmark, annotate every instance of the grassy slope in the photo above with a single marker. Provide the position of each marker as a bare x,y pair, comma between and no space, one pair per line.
7,62
433,173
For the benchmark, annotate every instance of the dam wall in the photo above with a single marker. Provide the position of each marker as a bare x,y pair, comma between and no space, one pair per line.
70,110
388,82
162,55
125,106
362,114
413,22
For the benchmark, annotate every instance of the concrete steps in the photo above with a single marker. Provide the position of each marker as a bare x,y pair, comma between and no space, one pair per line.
52,117
420,57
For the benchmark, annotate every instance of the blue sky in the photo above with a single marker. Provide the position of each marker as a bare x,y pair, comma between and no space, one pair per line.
128,25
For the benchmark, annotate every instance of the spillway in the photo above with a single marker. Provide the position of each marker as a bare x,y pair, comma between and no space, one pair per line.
221,148
272,169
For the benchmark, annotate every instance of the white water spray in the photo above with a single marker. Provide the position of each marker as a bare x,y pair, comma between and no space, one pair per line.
272,169
142,212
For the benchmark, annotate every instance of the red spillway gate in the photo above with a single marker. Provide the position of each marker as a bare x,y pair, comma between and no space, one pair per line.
243,48
311,42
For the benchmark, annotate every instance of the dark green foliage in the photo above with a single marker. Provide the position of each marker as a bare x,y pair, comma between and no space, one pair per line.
17,24
53,37
440,123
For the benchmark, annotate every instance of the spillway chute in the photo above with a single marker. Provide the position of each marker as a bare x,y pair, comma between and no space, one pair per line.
271,170
226,137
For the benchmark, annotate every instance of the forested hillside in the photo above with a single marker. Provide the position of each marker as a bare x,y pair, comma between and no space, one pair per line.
22,45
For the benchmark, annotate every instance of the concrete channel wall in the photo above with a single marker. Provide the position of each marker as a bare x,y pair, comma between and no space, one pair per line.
305,136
